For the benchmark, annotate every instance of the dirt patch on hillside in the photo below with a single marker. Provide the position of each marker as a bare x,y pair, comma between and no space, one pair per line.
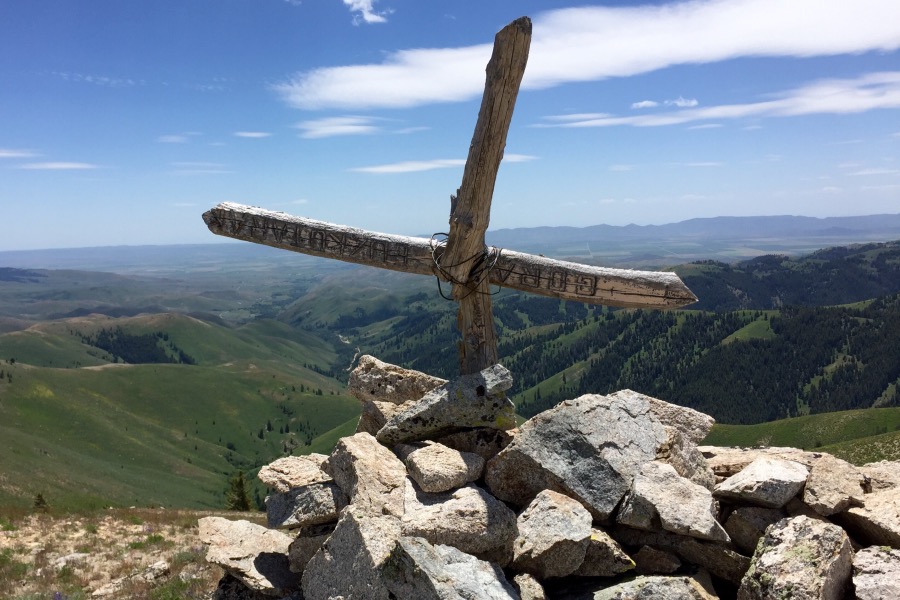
120,553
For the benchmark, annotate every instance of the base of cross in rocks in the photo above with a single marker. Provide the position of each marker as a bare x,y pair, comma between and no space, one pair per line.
438,495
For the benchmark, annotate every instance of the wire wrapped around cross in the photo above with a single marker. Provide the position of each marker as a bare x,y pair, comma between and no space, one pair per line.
484,261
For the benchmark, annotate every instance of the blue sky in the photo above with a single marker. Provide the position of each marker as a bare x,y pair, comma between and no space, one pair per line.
122,121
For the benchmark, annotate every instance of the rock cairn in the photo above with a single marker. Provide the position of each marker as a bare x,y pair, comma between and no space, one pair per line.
439,496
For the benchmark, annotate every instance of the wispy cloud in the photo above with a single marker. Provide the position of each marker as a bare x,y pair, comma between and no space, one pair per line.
252,134
706,126
101,80
413,166
645,104
593,43
828,96
13,153
332,126
58,166
173,139
364,12
679,102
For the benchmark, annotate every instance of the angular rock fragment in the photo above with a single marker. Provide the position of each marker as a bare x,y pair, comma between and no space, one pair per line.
293,471
728,461
882,475
659,497
468,518
437,468
589,449
685,458
386,390
307,543
476,400
371,476
253,554
308,505
604,557
765,482
420,570
833,486
349,565
373,379
799,558
876,573
554,532
877,521
746,524
528,587
692,423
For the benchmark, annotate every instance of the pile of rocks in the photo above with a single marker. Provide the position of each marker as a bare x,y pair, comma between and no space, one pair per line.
438,495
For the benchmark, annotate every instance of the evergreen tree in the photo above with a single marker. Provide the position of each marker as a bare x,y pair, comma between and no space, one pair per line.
238,495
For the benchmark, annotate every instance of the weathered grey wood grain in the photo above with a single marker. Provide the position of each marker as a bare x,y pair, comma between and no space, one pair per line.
463,260
516,270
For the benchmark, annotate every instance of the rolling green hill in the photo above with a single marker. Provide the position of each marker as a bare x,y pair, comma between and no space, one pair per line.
85,430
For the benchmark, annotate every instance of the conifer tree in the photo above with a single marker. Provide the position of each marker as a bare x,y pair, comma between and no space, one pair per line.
238,496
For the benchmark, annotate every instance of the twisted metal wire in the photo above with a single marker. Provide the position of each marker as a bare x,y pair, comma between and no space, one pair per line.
484,261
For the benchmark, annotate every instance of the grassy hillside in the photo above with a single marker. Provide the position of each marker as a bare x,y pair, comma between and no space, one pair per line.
858,436
108,433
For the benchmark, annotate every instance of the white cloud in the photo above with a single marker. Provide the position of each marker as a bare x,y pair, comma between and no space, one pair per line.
706,126
252,134
517,158
10,153
332,126
645,104
412,166
173,139
101,80
827,96
593,43
577,117
682,102
58,166
364,11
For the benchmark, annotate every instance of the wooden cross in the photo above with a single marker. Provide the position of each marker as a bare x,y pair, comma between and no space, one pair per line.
464,259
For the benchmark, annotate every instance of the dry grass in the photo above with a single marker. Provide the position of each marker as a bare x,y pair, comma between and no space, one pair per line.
116,554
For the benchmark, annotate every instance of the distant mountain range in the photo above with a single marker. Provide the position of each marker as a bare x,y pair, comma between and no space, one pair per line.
726,239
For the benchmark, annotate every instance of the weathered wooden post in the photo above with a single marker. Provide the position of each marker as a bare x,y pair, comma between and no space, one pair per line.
465,259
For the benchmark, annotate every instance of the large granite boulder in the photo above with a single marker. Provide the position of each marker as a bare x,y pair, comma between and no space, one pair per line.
418,570
256,556
834,485
385,390
876,573
659,587
349,564
765,482
554,533
476,400
800,558
747,524
370,475
589,448
468,518
660,497
877,521
692,423
437,468
312,504
604,557
291,472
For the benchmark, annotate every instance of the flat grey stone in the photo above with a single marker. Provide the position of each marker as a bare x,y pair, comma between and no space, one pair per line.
477,400
554,532
308,505
765,482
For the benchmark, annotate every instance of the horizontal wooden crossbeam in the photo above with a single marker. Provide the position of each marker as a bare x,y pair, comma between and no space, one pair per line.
505,268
